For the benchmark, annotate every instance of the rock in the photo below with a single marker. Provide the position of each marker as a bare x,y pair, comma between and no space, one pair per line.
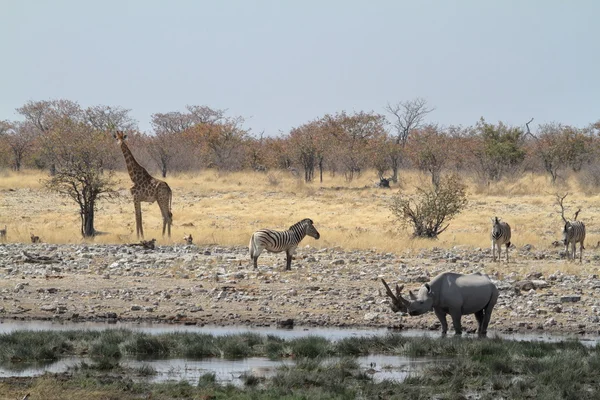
539,284
48,307
339,261
135,307
371,316
524,285
570,299
285,323
550,322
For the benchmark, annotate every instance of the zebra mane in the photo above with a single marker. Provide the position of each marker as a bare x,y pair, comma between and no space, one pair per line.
301,223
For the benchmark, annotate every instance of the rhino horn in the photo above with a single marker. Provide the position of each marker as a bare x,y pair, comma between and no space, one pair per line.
389,291
398,300
412,296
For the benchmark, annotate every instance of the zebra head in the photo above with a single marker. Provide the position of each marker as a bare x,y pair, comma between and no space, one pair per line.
567,233
495,225
309,229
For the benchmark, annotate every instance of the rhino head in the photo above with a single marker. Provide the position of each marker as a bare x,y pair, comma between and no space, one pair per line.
419,304
422,302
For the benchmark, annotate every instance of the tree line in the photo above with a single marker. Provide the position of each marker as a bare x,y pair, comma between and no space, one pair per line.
54,133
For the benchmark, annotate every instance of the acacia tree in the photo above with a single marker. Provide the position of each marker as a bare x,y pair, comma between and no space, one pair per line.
429,151
20,138
500,149
44,116
308,144
351,134
407,116
175,135
80,151
558,146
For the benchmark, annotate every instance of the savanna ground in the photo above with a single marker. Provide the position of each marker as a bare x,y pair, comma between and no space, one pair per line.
225,208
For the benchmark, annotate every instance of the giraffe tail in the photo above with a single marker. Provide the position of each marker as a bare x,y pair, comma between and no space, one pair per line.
170,204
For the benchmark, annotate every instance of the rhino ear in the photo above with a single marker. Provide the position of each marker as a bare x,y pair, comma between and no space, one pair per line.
428,287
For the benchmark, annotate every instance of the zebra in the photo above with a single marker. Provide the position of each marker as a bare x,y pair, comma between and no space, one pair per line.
500,236
573,233
3,234
278,241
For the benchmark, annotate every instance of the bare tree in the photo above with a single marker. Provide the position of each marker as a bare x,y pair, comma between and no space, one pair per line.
407,116
20,140
105,118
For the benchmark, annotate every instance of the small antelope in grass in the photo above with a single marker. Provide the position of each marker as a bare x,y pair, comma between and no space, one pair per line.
278,241
573,232
500,236
188,239
35,239
3,234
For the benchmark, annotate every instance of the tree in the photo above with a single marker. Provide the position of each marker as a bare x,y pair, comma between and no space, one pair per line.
500,149
80,151
44,116
407,116
174,134
432,207
308,144
429,151
558,146
107,118
351,136
20,139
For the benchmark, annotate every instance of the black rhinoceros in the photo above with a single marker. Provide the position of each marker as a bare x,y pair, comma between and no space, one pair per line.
454,294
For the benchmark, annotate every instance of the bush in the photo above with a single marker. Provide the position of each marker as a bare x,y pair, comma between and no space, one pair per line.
432,208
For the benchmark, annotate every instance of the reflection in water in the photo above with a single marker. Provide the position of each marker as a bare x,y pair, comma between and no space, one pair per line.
7,326
380,367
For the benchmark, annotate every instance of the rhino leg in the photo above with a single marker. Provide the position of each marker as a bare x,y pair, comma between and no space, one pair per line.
456,315
441,315
479,315
487,314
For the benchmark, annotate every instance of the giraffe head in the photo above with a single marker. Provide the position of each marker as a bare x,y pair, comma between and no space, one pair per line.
120,136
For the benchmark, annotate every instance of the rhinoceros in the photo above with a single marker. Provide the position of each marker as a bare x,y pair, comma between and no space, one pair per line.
454,294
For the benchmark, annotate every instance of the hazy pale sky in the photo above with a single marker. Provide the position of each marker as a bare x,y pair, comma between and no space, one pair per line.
282,63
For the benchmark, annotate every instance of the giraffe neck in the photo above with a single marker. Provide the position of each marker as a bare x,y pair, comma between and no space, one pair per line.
136,171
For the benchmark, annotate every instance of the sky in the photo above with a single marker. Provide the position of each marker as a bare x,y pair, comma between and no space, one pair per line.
280,64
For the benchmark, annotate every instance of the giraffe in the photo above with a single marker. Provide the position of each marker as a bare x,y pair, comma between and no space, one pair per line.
146,188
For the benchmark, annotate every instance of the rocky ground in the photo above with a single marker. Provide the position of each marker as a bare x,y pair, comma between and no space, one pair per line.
326,287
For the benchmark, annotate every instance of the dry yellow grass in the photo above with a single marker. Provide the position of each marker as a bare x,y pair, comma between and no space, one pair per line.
225,208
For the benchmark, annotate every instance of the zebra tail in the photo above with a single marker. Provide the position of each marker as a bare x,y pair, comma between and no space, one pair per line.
251,246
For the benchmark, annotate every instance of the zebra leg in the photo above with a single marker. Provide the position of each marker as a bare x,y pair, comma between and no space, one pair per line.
255,260
288,264
581,252
507,245
493,251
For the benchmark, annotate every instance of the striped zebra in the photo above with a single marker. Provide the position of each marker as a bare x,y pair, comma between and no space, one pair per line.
573,233
500,236
278,241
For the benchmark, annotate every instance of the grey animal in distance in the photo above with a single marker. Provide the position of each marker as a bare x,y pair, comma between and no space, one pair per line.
3,233
188,239
34,238
500,236
277,241
573,232
454,294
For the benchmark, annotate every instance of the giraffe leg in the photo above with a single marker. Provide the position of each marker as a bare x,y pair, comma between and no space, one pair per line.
139,230
167,218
